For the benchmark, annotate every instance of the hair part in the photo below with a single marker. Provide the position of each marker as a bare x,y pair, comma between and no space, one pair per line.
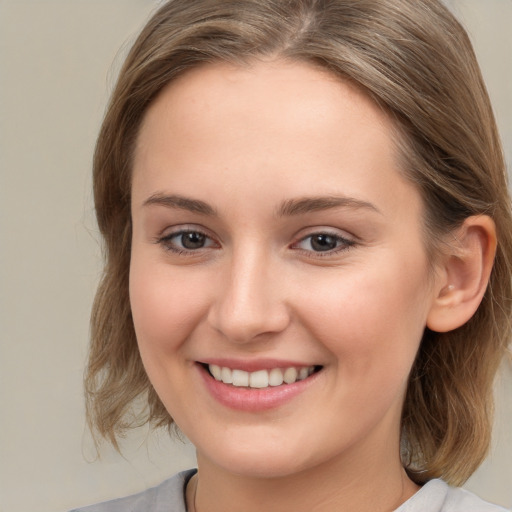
416,61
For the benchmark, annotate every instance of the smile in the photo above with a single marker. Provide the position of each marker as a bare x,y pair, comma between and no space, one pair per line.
260,386
259,379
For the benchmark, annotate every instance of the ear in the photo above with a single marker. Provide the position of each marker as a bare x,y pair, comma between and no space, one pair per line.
463,274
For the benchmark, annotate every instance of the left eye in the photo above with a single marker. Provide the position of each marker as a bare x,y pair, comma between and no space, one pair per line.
323,242
186,241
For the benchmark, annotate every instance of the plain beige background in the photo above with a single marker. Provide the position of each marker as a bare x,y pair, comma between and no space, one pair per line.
58,61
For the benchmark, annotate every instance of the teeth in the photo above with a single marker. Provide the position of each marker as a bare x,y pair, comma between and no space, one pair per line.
290,375
261,378
258,379
303,373
240,378
275,377
216,371
226,375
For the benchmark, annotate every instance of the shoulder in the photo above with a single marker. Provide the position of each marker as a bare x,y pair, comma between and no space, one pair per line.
460,499
438,496
166,497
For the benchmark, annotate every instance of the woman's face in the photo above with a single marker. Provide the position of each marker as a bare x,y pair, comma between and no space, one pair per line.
274,238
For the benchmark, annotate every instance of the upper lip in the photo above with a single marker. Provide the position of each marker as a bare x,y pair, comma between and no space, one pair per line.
254,365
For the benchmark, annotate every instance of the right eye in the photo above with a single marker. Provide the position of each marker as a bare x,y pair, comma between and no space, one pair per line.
186,241
324,243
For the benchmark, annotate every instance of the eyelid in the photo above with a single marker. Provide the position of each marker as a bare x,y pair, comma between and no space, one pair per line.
348,241
165,239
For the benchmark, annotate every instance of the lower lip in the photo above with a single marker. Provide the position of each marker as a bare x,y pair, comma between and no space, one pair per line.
253,399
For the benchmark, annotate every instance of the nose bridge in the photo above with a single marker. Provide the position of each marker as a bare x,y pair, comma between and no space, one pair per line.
249,302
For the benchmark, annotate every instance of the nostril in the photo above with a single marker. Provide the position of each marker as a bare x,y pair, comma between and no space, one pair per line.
247,307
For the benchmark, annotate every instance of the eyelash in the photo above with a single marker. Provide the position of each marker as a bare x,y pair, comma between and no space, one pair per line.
342,244
168,245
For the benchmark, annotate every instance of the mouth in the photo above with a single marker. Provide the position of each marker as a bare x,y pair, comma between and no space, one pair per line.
260,379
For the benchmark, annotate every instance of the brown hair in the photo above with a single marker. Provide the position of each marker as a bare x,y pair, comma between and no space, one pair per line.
415,60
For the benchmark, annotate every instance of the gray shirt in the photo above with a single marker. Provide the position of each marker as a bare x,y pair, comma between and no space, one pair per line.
169,496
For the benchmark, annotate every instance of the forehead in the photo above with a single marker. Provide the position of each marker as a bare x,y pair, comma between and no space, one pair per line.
301,92
287,125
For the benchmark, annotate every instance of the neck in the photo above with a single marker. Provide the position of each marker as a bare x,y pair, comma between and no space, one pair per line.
379,484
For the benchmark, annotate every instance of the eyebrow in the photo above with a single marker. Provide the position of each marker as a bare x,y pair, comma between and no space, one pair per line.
181,203
311,204
288,208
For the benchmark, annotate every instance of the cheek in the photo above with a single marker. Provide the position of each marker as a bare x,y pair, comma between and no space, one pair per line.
165,306
372,321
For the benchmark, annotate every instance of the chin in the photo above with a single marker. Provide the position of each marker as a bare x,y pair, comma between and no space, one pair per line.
257,460
262,467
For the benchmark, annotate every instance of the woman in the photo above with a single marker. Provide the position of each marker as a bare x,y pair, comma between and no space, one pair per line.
308,241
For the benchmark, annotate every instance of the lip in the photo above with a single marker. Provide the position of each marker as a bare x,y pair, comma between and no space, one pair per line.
251,399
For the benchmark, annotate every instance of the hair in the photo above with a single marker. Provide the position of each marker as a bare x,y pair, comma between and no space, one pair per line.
416,61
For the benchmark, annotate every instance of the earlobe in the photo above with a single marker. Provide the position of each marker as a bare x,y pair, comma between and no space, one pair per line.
463,274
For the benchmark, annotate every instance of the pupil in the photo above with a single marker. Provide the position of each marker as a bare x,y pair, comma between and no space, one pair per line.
192,240
323,242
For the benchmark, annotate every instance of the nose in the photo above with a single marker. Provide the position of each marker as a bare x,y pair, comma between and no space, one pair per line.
250,303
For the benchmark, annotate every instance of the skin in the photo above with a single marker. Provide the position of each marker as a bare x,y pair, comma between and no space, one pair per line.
247,142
